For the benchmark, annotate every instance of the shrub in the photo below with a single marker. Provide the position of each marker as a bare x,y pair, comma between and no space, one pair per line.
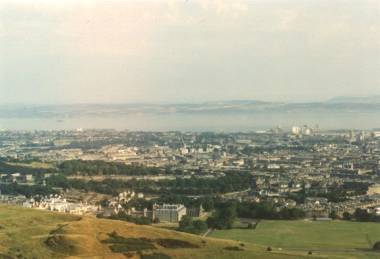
121,244
376,246
60,243
175,243
233,248
155,256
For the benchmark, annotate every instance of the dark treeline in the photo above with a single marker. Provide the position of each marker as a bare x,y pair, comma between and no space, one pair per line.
224,216
192,186
258,150
267,210
361,215
226,213
333,194
125,217
27,190
10,169
188,225
80,167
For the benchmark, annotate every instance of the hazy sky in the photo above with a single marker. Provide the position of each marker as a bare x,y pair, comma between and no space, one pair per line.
175,51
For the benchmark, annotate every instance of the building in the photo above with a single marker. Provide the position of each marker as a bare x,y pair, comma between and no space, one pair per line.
296,130
373,189
168,212
306,130
195,212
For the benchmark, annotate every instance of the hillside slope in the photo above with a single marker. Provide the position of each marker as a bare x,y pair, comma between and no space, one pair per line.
30,233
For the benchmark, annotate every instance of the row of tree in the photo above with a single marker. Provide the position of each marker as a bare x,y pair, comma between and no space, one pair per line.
194,186
187,224
361,215
6,167
26,190
99,167
267,210
226,213
125,217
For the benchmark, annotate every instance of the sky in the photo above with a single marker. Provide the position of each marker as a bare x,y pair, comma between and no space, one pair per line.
77,51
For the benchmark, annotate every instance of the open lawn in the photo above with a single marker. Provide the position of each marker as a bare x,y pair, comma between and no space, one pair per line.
341,237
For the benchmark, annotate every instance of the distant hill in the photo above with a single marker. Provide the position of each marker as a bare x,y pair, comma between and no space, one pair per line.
363,100
60,112
31,233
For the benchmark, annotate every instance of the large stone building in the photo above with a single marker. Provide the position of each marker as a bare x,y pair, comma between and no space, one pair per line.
168,212
195,212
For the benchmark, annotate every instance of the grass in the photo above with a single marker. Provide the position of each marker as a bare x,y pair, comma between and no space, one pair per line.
30,233
23,232
341,237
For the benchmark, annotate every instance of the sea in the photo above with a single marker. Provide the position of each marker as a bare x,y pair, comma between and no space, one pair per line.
200,122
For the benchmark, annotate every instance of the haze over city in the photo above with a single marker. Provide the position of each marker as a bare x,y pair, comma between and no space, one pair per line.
60,52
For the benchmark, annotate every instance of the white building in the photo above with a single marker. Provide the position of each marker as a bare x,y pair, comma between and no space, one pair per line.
296,130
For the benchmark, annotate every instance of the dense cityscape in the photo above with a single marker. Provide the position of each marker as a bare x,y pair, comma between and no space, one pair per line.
323,174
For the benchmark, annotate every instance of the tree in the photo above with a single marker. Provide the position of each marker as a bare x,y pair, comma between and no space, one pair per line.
223,217
199,226
195,227
376,246
333,215
346,215
228,215
185,222
361,215
207,203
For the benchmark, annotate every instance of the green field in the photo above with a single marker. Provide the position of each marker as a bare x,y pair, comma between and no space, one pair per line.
31,233
352,238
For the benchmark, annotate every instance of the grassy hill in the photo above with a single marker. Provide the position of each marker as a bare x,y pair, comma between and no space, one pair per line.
30,233
332,239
